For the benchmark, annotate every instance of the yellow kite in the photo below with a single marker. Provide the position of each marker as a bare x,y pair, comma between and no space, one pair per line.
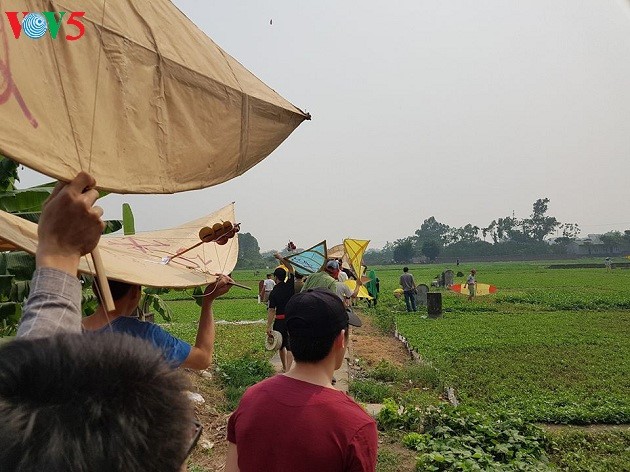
355,249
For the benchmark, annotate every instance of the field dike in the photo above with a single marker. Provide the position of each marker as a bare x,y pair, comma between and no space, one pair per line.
449,392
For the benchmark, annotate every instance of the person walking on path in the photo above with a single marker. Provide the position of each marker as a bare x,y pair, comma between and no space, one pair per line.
409,289
298,420
472,284
278,299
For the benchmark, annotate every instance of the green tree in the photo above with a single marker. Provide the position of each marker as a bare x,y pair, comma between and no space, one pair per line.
613,240
539,225
504,229
432,230
249,252
431,249
404,250
570,232
465,234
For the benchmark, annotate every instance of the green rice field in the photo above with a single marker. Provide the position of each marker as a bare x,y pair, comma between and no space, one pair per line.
552,344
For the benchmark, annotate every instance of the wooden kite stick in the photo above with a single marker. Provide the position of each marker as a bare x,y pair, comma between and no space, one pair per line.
186,250
240,285
106,293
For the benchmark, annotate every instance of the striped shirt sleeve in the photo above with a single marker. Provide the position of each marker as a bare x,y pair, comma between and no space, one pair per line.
53,305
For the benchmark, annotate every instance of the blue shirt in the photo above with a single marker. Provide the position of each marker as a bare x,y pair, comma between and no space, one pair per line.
175,350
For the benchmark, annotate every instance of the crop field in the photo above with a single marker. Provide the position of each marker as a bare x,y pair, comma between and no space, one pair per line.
552,344
233,341
550,347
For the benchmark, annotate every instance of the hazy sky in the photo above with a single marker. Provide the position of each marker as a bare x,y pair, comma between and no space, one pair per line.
466,110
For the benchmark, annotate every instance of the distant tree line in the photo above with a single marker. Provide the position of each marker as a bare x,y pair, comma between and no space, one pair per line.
506,236
502,237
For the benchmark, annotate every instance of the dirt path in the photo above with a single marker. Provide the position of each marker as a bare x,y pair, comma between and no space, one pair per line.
370,346
211,450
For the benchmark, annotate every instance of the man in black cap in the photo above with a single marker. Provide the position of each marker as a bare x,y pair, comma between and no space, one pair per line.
336,434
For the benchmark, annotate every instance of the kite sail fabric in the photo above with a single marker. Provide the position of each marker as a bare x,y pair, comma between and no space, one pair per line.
143,258
339,252
309,261
133,93
336,252
363,292
355,249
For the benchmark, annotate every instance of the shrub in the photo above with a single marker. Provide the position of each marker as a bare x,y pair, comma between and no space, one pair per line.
370,391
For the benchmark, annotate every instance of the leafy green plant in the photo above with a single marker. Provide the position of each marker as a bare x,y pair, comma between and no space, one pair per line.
151,301
464,439
590,451
398,417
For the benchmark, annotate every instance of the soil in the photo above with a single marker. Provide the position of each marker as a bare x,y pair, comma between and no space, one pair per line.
211,450
370,346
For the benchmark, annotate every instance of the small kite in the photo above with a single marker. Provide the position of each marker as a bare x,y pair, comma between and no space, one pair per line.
311,260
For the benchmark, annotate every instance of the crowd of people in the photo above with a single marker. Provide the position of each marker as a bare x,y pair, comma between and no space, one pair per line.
103,393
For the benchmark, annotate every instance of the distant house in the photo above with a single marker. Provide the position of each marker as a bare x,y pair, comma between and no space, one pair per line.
591,246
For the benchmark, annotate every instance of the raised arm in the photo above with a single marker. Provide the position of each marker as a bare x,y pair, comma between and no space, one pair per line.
69,227
285,262
200,356
358,286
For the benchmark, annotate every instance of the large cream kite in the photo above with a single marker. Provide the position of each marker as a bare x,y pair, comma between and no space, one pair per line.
143,258
143,100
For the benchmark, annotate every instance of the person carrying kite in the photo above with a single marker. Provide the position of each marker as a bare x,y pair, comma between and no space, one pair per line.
176,351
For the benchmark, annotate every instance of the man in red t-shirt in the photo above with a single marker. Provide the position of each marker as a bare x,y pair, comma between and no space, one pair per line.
298,420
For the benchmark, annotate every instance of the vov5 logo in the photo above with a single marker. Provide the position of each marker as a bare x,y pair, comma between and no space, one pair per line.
35,25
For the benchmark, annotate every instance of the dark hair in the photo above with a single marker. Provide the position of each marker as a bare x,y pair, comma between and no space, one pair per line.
85,402
405,269
119,289
299,276
281,274
311,350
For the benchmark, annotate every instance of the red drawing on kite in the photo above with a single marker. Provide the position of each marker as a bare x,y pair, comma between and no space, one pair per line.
137,244
7,85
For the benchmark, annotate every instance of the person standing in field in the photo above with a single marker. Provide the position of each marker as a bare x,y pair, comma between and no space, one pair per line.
472,284
409,289
608,264
268,285
298,421
373,288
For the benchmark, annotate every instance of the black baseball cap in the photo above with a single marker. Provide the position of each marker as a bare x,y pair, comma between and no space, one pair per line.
318,313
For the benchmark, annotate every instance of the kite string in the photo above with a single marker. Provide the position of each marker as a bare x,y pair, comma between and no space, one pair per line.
101,291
